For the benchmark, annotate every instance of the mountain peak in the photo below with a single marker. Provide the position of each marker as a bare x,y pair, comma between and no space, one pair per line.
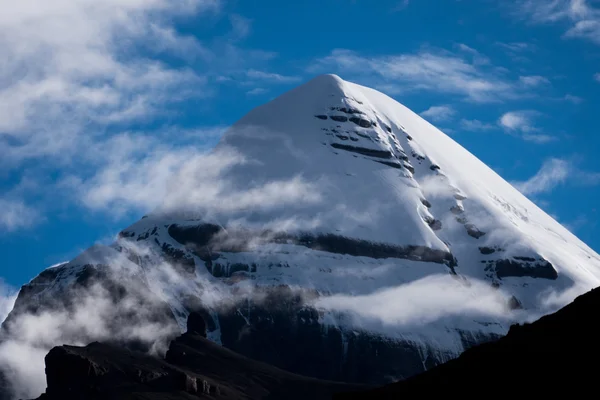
352,199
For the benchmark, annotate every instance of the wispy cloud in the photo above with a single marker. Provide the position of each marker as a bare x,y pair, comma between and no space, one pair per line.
401,5
522,123
16,215
271,77
475,125
552,173
581,18
241,26
8,295
81,82
518,121
406,306
555,172
517,47
533,80
597,77
431,70
257,91
573,99
477,57
439,113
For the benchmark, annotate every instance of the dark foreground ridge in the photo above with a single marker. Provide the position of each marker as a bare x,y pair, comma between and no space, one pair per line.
193,368
558,351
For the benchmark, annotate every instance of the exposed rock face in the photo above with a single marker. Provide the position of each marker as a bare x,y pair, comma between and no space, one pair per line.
193,368
196,324
119,302
558,346
207,240
282,331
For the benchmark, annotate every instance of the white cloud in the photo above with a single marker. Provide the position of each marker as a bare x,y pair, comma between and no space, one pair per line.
8,295
516,47
475,125
521,122
555,172
16,215
552,173
241,26
439,113
139,174
538,138
421,302
428,70
92,314
573,99
257,91
597,77
478,58
582,18
271,77
533,80
518,121
64,61
402,4
76,77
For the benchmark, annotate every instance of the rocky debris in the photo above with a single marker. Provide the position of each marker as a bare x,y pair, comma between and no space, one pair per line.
436,225
178,258
193,367
473,231
339,118
457,209
346,110
321,116
219,270
390,164
514,303
433,223
363,151
207,240
363,123
409,167
487,250
434,167
540,268
418,156
526,360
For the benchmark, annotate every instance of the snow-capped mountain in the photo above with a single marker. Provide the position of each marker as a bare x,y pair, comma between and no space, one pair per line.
345,203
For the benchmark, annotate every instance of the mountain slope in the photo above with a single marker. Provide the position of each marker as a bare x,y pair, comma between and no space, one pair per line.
193,368
332,232
558,345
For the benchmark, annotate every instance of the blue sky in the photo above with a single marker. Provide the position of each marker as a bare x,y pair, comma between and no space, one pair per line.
100,102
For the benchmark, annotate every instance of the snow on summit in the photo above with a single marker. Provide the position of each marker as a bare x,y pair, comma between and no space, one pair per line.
339,233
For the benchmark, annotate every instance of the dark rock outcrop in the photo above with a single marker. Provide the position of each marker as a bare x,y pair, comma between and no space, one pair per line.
193,367
363,151
532,268
196,324
283,331
85,283
207,240
556,352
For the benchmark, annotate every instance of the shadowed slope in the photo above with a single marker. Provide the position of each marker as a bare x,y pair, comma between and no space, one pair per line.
557,351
